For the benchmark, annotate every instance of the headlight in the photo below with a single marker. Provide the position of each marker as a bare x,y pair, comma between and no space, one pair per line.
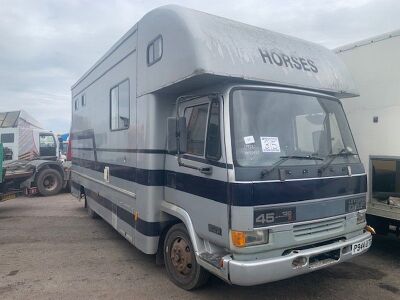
360,217
249,238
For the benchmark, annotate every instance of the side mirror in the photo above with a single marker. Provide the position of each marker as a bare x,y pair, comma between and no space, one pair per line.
176,135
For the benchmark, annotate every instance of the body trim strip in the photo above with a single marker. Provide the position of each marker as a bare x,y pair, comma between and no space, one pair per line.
123,191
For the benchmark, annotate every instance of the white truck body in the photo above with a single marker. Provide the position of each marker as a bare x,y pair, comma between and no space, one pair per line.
374,118
24,138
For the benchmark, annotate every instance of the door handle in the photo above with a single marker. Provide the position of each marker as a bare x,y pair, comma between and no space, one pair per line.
206,170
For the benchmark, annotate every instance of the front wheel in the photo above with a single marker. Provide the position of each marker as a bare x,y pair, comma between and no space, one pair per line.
180,259
49,182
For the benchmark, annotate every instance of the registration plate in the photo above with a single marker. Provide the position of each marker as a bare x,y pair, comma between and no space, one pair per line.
359,247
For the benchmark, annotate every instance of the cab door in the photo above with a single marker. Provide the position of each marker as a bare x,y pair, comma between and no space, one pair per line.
201,177
47,145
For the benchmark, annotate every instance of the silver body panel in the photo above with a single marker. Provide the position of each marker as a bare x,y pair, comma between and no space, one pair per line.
127,175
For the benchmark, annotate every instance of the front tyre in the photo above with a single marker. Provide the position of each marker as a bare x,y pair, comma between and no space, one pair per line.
180,259
49,182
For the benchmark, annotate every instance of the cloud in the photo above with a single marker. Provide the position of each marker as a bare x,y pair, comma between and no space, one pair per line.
45,46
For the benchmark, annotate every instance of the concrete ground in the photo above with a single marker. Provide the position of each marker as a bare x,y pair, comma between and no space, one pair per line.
50,249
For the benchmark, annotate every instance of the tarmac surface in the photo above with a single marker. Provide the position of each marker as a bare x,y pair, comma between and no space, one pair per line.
51,249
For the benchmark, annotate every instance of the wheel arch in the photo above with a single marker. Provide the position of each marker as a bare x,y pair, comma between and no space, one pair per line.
178,215
49,165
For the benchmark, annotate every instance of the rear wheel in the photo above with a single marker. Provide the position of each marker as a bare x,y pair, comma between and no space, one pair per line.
180,259
49,182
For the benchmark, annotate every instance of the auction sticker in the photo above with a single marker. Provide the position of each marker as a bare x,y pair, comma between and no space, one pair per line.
249,139
270,144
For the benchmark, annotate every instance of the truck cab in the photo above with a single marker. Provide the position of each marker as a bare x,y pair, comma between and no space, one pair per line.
293,200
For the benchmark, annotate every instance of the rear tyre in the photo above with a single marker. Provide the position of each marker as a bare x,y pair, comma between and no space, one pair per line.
180,260
49,182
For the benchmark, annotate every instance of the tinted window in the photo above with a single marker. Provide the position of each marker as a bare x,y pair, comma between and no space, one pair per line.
154,51
7,138
213,148
47,145
385,178
119,106
76,104
83,100
196,118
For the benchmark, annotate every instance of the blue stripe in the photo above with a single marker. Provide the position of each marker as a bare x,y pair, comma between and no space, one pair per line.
238,194
142,226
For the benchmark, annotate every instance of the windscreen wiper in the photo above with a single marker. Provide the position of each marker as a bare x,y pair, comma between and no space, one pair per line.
285,158
342,153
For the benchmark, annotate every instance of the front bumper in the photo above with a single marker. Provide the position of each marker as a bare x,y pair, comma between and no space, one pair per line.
262,271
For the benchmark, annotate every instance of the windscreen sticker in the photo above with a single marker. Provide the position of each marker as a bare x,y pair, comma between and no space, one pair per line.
249,139
270,144
251,151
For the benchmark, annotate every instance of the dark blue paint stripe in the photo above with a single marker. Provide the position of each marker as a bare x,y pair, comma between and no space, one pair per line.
142,226
295,191
204,187
238,194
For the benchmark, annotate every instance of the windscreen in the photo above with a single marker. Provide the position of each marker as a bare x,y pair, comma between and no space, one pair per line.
269,125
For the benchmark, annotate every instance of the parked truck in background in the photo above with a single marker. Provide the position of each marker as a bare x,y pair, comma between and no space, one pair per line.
31,156
374,118
220,147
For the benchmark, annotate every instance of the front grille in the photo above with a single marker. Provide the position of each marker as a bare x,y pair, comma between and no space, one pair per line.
318,228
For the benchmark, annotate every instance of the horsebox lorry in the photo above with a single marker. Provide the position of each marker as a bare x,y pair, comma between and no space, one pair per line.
374,118
222,148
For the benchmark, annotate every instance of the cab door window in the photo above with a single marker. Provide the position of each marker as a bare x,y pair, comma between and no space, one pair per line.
196,122
47,145
213,147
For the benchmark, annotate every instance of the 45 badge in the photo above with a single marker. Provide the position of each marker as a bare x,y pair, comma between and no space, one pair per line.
267,217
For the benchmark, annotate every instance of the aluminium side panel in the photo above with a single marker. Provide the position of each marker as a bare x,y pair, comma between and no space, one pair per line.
153,111
96,148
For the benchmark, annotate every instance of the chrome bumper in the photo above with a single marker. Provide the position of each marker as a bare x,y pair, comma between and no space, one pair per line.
262,271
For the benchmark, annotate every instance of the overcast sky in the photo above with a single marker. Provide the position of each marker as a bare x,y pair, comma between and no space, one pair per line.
45,46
